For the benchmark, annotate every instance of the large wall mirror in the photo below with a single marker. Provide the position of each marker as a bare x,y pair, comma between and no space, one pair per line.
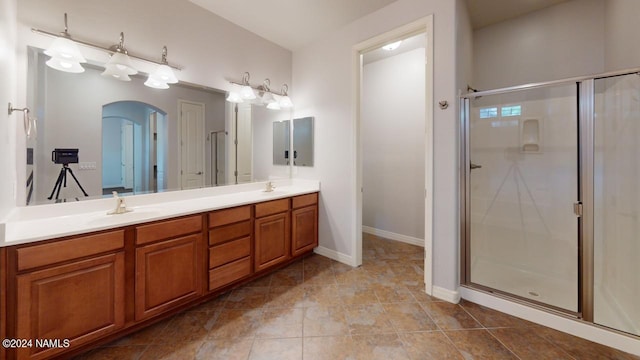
134,139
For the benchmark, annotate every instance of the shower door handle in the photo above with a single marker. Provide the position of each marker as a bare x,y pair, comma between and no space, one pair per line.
474,166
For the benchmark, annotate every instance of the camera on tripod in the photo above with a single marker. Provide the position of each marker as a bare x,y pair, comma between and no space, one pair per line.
64,156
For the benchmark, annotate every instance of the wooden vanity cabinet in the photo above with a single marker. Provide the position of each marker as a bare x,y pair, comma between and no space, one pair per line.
169,265
304,224
229,246
272,233
70,289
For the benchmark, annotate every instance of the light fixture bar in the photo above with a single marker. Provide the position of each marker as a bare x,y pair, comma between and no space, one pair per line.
107,49
259,88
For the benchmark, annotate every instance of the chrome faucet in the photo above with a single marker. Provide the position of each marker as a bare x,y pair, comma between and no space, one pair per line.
121,206
270,187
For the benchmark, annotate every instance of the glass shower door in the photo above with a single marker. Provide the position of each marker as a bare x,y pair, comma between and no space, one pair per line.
523,184
616,203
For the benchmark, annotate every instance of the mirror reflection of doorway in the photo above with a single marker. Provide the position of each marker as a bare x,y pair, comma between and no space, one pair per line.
135,161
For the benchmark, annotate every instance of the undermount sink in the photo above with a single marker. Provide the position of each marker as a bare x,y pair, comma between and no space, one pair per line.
133,215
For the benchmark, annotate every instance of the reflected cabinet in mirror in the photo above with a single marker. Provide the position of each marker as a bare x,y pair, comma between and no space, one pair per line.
134,139
303,141
281,150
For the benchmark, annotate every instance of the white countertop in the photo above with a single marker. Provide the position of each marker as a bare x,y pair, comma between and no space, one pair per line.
35,223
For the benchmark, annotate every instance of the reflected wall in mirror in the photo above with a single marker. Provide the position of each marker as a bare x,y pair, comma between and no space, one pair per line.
281,148
134,139
303,141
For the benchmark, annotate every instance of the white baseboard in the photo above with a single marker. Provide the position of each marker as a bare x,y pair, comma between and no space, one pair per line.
446,294
334,255
571,326
393,236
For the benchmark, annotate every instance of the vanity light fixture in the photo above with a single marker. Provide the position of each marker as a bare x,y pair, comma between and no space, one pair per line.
285,101
64,53
246,92
273,99
119,65
163,75
392,46
65,56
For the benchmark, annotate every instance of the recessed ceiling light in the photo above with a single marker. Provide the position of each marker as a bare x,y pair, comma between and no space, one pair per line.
392,46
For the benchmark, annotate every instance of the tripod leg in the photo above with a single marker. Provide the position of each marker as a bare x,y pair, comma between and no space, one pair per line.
63,179
57,185
77,182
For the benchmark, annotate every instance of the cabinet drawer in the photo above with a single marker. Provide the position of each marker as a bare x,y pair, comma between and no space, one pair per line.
47,254
227,252
229,216
168,229
305,200
226,274
272,207
229,232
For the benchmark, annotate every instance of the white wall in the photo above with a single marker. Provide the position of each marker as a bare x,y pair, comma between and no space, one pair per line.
392,130
210,49
8,94
323,79
621,34
553,43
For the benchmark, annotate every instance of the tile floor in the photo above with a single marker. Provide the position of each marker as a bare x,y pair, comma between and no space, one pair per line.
317,308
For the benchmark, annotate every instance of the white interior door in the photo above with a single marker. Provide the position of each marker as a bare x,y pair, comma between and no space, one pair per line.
244,146
191,145
127,154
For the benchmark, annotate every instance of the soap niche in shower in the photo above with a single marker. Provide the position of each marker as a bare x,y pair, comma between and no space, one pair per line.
531,135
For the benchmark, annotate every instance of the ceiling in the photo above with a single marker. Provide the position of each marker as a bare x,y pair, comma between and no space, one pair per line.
291,23
487,12
295,23
408,44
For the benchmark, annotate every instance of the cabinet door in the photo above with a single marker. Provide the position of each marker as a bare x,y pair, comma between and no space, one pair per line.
80,301
168,274
304,229
272,240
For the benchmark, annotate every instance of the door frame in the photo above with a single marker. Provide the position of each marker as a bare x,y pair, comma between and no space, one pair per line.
420,26
203,150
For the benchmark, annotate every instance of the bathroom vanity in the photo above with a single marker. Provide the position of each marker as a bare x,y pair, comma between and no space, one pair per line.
113,274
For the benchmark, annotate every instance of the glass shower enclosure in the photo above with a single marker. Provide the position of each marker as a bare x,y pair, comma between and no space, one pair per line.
550,184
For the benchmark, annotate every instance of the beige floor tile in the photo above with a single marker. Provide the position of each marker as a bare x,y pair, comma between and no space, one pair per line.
322,295
409,317
322,276
281,349
145,336
286,277
357,294
281,323
420,295
172,351
431,345
325,321
479,344
247,298
328,348
368,319
285,296
392,293
187,326
129,352
236,323
223,349
381,346
354,276
450,316
528,345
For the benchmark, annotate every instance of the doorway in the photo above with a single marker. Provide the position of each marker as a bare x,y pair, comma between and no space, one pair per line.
192,150
409,161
